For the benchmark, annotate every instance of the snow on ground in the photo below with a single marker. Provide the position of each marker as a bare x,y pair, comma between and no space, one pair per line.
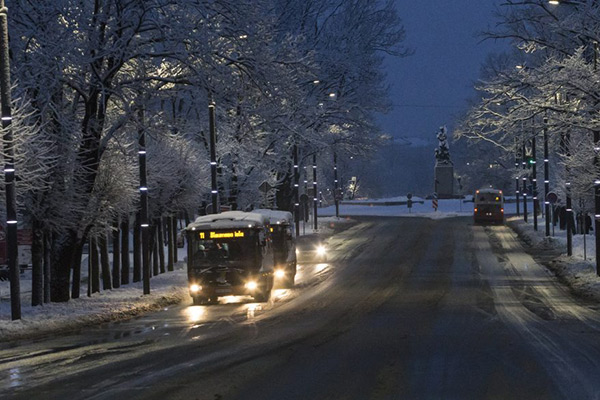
171,287
578,270
108,305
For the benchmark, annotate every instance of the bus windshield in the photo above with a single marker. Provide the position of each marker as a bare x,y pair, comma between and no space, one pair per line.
487,197
242,251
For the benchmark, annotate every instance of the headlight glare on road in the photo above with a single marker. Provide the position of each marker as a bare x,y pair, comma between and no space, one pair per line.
321,250
279,274
251,285
194,288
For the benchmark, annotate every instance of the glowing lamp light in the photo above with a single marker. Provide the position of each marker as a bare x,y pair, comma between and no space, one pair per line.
12,221
6,118
251,285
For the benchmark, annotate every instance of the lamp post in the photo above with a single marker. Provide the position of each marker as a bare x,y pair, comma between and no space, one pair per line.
569,205
524,184
315,193
534,184
145,227
213,159
12,252
517,191
597,180
546,177
296,191
336,186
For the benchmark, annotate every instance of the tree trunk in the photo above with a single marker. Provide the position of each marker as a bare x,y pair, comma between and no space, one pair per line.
137,250
95,266
161,244
63,248
171,245
47,275
116,271
105,262
174,239
125,250
37,265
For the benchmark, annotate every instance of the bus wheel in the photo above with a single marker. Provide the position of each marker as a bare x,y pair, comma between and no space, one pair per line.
264,293
199,300
288,282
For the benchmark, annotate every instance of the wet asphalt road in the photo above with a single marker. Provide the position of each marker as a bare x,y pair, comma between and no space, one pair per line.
405,308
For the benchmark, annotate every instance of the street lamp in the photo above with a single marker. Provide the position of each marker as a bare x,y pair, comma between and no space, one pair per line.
9,169
213,159
546,177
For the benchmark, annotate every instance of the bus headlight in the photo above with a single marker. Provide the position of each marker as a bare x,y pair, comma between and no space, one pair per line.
194,288
279,274
251,285
321,250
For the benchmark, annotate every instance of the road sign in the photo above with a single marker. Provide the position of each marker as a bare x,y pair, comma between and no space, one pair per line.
265,187
409,196
339,195
551,197
304,209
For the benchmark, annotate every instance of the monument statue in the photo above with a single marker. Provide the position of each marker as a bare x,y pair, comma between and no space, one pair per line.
444,168
442,153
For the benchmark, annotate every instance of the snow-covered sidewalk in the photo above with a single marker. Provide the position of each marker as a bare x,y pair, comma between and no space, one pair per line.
578,270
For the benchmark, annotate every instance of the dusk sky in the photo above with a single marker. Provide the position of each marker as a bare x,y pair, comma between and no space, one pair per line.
430,87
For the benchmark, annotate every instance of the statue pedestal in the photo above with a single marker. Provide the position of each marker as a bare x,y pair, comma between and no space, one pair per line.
444,181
